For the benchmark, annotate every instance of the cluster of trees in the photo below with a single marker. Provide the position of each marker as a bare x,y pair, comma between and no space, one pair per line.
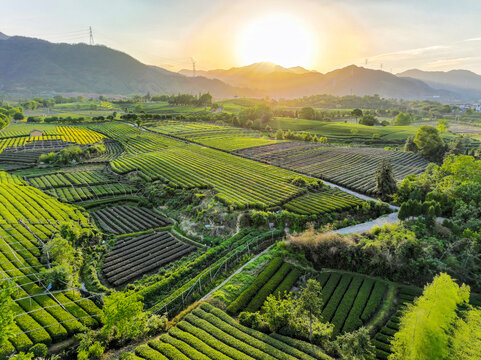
8,112
302,136
345,102
427,142
300,317
72,154
439,325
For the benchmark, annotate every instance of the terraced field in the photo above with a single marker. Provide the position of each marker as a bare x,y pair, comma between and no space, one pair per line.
322,202
277,278
353,168
382,340
126,219
17,137
79,186
28,218
218,136
350,300
132,257
209,333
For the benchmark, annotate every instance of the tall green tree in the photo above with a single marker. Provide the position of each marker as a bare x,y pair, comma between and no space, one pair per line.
307,113
7,318
356,345
402,119
310,302
123,315
466,343
429,142
357,113
385,182
426,325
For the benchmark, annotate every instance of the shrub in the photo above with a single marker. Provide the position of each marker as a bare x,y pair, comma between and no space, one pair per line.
39,350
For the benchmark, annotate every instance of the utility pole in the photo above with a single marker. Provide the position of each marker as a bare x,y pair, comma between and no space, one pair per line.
91,36
193,66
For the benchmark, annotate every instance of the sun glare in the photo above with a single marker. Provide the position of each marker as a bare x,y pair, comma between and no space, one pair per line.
280,39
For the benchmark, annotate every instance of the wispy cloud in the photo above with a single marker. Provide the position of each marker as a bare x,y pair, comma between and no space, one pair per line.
411,52
473,39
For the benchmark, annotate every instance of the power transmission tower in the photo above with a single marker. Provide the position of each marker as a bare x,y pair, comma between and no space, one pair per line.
193,66
91,36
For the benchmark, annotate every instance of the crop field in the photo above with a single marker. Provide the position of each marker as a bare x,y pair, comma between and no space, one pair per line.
217,136
92,192
28,218
113,149
132,257
62,179
382,340
277,278
353,168
126,219
346,132
350,300
209,333
322,202
18,136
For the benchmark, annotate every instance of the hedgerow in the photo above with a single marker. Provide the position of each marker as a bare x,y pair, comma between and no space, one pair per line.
247,294
268,288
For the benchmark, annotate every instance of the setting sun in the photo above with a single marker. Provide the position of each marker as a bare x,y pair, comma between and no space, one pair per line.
280,39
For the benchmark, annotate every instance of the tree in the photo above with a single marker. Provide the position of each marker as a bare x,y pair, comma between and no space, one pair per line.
18,116
205,99
369,120
426,325
139,122
307,113
138,108
466,342
7,319
356,345
402,119
429,142
357,113
385,182
410,145
443,125
123,315
310,302
277,311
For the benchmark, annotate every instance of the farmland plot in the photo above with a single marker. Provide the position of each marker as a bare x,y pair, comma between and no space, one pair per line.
209,333
350,300
353,168
132,257
126,219
28,218
219,136
322,202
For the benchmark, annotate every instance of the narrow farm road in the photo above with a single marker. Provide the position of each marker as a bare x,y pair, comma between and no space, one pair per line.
234,274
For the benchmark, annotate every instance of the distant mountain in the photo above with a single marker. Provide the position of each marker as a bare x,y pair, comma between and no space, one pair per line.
36,67
3,36
278,81
463,82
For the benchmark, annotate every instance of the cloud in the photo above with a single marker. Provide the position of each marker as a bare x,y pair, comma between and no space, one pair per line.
473,39
410,52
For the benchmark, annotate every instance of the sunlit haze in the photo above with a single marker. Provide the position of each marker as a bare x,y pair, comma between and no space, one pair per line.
320,35
280,39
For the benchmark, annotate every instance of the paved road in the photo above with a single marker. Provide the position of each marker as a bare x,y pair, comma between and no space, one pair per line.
361,228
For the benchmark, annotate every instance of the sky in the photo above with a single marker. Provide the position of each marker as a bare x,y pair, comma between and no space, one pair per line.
319,35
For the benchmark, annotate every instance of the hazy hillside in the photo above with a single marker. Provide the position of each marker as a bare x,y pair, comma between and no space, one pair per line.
464,82
296,82
32,66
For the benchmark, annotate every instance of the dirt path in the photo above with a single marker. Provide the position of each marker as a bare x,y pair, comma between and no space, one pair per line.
234,274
